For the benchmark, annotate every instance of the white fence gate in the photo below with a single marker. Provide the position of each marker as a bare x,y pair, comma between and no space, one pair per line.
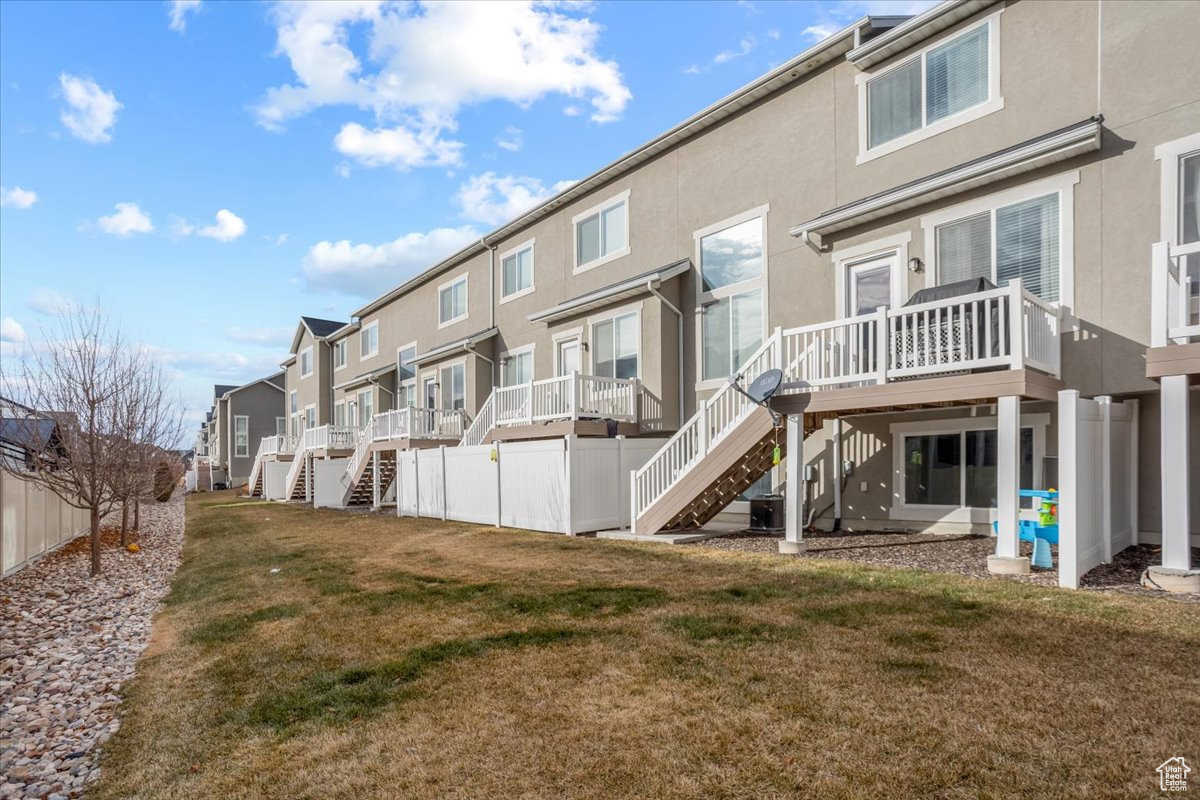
567,485
1097,455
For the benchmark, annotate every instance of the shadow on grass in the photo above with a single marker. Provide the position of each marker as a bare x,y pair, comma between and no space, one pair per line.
234,626
360,691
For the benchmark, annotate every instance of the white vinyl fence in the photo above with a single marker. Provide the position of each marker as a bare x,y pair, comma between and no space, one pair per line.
1098,482
35,521
568,485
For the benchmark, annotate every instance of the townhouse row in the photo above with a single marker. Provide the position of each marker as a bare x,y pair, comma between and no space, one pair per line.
931,226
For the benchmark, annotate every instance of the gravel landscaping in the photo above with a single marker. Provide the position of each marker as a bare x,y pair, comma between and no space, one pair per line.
67,644
961,554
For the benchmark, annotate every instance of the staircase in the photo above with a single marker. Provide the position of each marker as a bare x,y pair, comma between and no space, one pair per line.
362,492
256,480
297,478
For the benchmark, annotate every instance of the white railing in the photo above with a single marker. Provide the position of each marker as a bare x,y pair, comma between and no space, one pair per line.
1174,293
336,437
1005,327
418,423
573,396
276,445
361,448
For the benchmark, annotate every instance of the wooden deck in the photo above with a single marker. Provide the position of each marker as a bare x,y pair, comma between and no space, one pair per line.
1174,359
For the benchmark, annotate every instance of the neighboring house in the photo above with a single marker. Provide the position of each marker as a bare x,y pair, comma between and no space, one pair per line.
1041,148
28,439
229,438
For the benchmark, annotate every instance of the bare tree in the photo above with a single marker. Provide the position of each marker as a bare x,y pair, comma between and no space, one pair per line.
109,401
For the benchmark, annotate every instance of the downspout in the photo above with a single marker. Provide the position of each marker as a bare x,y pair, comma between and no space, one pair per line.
491,298
653,289
806,237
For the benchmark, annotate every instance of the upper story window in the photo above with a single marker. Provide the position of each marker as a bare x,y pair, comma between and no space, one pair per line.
616,345
306,362
406,388
1025,232
368,340
941,87
602,233
452,301
516,272
294,405
339,353
732,292
241,436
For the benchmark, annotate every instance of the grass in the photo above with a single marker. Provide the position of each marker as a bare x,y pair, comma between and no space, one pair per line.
315,654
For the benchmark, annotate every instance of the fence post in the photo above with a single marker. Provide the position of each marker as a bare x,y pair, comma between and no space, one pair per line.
1106,522
1068,489
1016,324
499,487
1134,410
881,344
568,454
445,515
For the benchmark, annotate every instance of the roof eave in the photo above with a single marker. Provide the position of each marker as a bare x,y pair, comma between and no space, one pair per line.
610,294
451,347
915,30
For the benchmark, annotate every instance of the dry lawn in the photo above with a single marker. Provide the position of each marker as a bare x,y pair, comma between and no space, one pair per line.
400,658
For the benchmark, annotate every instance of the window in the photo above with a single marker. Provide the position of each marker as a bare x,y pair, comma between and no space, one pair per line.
294,407
368,340
732,293
310,417
602,233
1189,233
366,407
567,356
452,301
454,387
241,436
870,285
516,272
941,87
339,413
1013,241
406,384
615,346
518,368
339,353
306,362
281,426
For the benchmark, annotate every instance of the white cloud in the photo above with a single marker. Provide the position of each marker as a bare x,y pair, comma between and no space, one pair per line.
50,302
773,33
11,331
745,46
368,270
129,219
511,139
265,336
816,33
179,13
343,169
492,198
17,197
181,227
398,146
423,62
91,112
833,16
278,240
229,227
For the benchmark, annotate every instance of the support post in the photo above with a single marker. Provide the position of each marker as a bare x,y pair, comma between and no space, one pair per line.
881,344
445,503
375,479
1176,551
793,540
1016,324
1007,559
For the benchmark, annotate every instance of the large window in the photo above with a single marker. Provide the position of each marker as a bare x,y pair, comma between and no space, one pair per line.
732,296
366,407
518,368
339,353
339,413
516,272
453,387
602,233
928,92
452,301
1020,240
241,436
306,362
959,468
615,346
368,340
406,377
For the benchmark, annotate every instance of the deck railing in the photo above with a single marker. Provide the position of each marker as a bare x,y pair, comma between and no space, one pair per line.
1174,293
1006,327
418,423
276,445
322,437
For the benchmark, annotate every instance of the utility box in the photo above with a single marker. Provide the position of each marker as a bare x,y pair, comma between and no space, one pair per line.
766,514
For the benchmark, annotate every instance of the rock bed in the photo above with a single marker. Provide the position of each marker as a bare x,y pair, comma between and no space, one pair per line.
67,644
961,554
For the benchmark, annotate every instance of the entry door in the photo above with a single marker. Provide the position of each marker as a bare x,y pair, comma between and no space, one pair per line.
869,285
430,391
568,356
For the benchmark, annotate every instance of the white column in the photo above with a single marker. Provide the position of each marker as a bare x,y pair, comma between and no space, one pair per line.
793,541
375,479
1008,478
1176,553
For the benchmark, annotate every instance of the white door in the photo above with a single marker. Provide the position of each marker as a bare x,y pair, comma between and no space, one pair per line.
430,385
869,285
568,356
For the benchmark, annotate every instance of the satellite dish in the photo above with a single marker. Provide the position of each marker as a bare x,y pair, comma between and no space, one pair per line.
765,385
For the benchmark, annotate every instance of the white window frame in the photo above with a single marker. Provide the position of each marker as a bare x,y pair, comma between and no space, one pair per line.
705,299
599,319
847,257
316,420
341,346
994,103
600,208
899,510
426,377
519,351
408,384
241,451
311,366
340,405
294,403
1063,185
1169,155
359,405
374,328
281,424
440,391
464,280
529,245
565,336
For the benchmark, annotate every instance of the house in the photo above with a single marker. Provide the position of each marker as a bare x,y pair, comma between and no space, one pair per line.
931,225
28,439
241,416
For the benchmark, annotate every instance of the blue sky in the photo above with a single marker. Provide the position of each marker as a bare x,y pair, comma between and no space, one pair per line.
208,171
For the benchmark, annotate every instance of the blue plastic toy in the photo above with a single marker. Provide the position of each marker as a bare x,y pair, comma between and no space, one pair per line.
1042,531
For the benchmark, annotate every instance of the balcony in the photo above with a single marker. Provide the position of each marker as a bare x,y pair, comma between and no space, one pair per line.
418,423
277,446
1175,294
329,437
